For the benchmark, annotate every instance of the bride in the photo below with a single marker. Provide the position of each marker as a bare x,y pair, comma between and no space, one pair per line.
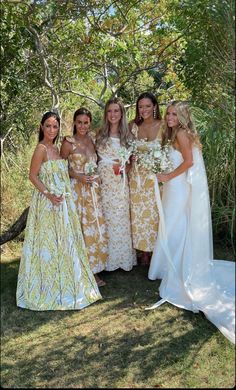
183,253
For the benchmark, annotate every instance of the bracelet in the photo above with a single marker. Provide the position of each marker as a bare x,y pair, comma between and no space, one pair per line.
45,192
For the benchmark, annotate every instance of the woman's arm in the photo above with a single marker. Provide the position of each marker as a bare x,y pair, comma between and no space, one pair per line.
80,177
38,158
185,148
66,149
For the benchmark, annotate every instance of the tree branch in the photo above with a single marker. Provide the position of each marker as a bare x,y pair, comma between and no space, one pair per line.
98,102
2,139
150,67
16,228
46,69
105,76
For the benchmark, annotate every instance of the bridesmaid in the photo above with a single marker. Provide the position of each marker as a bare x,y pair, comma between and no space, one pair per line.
114,134
54,272
80,151
144,213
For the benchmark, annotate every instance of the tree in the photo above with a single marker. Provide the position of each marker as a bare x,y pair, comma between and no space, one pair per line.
61,54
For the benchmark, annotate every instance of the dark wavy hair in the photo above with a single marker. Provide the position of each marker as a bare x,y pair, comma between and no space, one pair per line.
47,115
81,111
150,96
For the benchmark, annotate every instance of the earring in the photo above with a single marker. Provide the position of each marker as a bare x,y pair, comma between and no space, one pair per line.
139,117
154,114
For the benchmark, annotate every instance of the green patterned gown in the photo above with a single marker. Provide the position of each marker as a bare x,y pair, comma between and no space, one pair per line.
54,272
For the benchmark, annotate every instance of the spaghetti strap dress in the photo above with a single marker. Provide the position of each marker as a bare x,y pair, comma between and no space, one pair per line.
144,210
54,272
88,203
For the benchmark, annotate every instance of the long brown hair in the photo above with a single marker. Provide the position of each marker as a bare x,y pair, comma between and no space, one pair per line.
186,123
104,131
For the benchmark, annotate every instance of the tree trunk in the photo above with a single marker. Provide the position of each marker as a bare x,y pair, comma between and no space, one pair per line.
16,228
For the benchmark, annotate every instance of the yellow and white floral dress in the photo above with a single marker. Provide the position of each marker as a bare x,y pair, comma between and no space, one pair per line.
54,271
116,208
87,198
144,211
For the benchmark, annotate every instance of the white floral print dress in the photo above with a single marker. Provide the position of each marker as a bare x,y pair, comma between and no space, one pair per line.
116,208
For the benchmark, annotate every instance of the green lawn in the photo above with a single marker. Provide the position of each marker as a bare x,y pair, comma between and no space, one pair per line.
112,343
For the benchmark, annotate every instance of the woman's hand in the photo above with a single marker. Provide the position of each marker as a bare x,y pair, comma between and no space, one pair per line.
161,177
56,200
86,179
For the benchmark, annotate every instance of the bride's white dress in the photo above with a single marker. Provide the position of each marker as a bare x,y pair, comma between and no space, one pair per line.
183,253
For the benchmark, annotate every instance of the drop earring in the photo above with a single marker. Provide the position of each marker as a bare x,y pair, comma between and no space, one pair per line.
154,114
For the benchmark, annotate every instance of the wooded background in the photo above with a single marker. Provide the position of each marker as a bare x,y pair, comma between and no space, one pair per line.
63,54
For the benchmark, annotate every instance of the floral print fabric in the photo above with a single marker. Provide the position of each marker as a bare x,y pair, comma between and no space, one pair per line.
115,202
87,199
144,212
54,271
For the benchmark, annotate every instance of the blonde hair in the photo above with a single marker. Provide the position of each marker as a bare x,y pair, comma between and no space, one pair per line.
186,123
104,132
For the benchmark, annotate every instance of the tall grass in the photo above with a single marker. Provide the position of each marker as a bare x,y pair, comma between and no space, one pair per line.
16,188
216,130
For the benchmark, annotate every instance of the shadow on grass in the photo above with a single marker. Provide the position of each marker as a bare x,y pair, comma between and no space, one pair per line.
111,342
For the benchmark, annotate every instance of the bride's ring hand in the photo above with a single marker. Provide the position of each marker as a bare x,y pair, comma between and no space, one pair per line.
162,178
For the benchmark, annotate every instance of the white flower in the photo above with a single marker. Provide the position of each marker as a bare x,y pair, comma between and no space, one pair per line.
157,154
59,189
124,155
154,158
90,168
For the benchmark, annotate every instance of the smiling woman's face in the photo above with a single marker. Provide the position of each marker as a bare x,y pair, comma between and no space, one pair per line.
50,129
145,108
82,124
171,117
114,113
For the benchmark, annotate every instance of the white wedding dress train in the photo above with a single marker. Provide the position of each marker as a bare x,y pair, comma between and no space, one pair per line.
183,253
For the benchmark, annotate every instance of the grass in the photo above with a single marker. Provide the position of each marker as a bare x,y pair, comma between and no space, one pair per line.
112,343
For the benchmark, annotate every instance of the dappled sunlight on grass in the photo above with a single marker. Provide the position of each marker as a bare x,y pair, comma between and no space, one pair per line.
112,343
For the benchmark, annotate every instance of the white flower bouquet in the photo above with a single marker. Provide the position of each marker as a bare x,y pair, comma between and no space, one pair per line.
90,168
58,189
124,155
155,159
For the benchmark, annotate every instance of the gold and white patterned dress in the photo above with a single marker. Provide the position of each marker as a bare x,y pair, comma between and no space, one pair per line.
144,211
116,208
87,198
54,271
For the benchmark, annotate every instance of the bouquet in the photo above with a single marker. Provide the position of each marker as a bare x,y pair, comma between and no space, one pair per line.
58,190
155,159
124,155
90,168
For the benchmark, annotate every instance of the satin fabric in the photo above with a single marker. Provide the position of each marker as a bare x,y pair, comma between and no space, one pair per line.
183,255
